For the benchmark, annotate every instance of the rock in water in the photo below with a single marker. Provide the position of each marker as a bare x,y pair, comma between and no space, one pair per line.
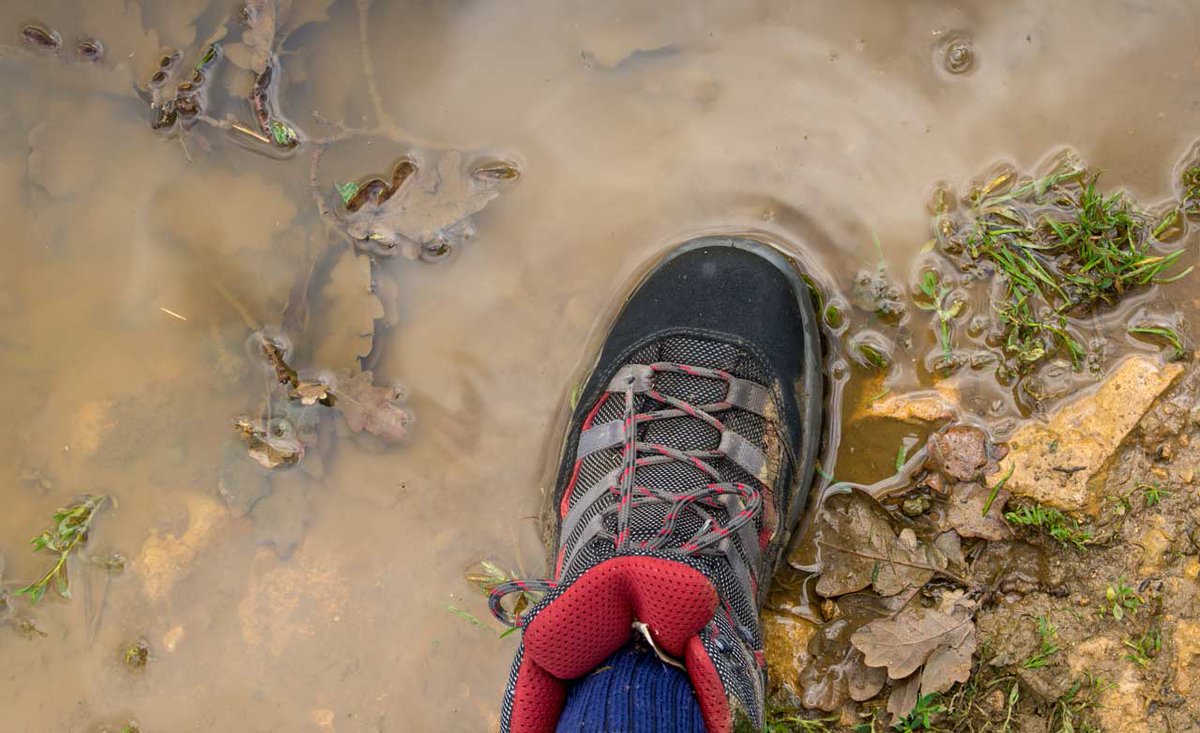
1061,462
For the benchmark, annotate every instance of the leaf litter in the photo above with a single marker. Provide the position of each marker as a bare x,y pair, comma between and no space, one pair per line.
426,211
903,593
345,332
860,548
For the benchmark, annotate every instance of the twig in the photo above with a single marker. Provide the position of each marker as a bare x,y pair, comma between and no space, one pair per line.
239,127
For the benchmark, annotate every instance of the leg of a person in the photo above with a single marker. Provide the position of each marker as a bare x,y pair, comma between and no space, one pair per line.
632,692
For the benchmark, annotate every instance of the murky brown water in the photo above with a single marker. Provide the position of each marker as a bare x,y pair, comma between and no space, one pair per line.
633,124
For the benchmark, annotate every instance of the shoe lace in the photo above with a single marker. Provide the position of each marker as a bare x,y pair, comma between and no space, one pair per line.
629,495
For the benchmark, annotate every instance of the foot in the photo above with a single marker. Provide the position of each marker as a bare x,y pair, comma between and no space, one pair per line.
685,468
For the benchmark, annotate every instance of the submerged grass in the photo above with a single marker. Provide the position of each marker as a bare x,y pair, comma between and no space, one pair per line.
1062,249
1165,334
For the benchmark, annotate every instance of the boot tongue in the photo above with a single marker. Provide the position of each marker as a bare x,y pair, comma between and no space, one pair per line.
594,617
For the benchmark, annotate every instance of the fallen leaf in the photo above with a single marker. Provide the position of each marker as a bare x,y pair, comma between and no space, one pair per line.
950,545
282,517
431,211
948,665
275,351
915,635
295,14
259,20
272,447
315,431
310,393
240,481
372,409
835,672
964,512
904,697
348,308
860,548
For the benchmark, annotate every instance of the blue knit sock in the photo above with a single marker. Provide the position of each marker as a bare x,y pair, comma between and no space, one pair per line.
632,692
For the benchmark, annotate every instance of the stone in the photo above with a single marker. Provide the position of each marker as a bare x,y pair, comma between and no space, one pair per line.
1187,657
1191,569
926,407
1062,462
785,642
1122,704
167,556
1155,542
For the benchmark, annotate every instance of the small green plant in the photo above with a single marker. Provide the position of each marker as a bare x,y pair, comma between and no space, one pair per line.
873,355
995,491
922,716
464,615
788,720
346,190
1071,712
1145,648
1122,599
486,575
1190,200
136,655
69,532
936,299
1048,633
1152,494
1062,528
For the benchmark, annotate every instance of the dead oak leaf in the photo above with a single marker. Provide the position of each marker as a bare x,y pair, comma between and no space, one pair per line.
860,548
917,636
373,409
260,21
310,393
964,512
430,211
835,672
274,446
345,329
904,697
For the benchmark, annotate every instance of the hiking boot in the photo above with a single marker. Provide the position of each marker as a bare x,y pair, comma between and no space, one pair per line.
685,468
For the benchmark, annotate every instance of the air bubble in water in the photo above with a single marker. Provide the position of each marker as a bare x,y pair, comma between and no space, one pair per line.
958,55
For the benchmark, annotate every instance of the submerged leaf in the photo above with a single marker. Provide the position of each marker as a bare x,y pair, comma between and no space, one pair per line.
310,393
241,482
259,19
373,409
835,672
432,210
860,548
282,517
272,447
345,330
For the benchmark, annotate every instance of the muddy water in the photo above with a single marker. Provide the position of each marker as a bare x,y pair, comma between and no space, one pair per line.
634,125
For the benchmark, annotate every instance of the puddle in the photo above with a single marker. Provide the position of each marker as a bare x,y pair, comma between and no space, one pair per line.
139,263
